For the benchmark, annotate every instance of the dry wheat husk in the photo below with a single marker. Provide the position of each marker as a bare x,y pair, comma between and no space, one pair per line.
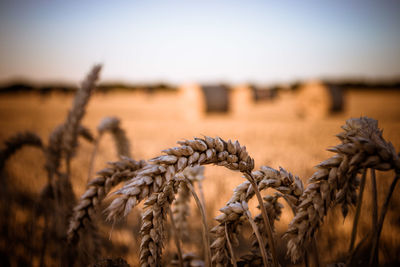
335,181
288,185
96,191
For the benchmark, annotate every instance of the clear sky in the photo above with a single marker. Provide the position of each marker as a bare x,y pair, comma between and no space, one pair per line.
206,41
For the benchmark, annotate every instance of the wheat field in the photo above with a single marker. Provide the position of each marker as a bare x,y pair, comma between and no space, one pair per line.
272,132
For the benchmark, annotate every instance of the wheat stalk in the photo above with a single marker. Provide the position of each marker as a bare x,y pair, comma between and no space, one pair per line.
335,181
16,142
122,144
181,207
112,125
274,209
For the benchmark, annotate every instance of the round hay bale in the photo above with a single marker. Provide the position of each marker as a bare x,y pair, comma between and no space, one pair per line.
216,98
318,100
242,99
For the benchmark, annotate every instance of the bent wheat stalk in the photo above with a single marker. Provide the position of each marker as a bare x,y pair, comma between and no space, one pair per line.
16,142
122,144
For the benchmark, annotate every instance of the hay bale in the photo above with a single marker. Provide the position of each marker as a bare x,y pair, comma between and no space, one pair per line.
241,99
193,102
216,98
318,100
264,94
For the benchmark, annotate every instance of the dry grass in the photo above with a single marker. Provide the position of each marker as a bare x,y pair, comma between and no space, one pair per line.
272,133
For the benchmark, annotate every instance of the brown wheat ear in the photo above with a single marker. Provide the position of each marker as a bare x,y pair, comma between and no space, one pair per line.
75,115
96,191
335,181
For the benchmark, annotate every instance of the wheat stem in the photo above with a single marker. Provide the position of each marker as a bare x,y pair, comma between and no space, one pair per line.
228,241
271,244
206,238
257,233
92,157
358,211
374,200
375,240
176,239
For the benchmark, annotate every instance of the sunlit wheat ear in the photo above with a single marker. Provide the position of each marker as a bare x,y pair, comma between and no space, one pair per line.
16,142
76,113
288,185
335,181
191,153
96,191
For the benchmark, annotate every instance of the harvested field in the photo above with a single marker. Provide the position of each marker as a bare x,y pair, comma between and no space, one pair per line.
272,133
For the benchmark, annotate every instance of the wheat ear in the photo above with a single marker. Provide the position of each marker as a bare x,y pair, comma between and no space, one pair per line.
76,113
97,189
191,153
288,185
335,181
153,219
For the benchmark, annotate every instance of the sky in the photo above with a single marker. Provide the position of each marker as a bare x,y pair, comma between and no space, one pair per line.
199,41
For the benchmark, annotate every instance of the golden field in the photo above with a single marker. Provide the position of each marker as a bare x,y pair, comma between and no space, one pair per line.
272,132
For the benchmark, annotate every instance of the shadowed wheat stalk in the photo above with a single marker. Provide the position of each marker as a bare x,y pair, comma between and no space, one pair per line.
110,125
16,142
